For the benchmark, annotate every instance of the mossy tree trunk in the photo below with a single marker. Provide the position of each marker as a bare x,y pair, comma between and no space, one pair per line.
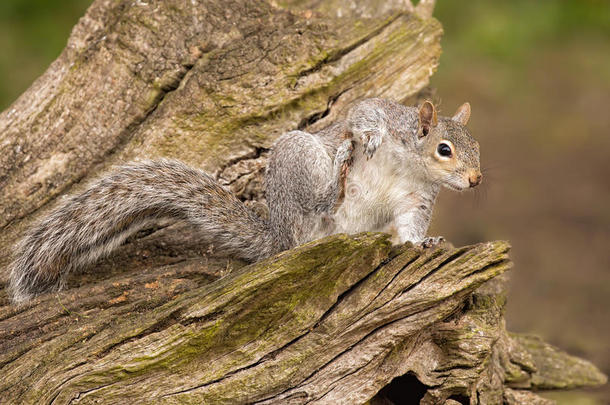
166,320
340,320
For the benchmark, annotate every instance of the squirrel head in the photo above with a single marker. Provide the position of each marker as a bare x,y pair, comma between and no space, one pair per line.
449,153
438,150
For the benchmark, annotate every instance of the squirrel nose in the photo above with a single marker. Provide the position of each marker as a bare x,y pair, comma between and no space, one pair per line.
475,180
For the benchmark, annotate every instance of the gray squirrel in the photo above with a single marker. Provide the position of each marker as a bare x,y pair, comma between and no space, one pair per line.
382,166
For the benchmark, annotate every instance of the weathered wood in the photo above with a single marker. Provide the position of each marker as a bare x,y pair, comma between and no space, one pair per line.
333,321
470,356
294,325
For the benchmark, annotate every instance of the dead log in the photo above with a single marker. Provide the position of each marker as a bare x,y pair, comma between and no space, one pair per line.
165,320
334,321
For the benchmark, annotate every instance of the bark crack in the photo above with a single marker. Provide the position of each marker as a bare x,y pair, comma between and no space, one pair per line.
335,56
171,319
317,116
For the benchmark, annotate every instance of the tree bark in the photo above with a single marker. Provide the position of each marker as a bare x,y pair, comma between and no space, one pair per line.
166,320
333,321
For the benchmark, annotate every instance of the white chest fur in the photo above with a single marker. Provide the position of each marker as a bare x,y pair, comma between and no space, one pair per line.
379,192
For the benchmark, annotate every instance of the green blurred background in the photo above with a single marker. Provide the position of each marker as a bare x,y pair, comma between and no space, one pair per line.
537,74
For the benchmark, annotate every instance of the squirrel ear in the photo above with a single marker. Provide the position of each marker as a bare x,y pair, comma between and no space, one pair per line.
462,115
427,118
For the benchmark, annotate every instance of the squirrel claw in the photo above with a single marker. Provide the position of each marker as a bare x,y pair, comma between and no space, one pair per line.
371,144
431,241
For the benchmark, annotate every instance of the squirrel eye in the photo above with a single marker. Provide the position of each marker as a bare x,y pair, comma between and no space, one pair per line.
444,150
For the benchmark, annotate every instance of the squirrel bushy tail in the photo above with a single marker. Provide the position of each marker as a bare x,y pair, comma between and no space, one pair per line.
90,225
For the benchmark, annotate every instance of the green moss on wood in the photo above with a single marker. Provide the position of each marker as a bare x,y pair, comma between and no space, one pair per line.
556,369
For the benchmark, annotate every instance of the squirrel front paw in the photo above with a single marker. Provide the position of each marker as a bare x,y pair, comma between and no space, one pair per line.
431,241
371,141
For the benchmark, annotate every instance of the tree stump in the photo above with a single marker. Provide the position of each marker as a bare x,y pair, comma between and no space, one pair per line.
347,319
